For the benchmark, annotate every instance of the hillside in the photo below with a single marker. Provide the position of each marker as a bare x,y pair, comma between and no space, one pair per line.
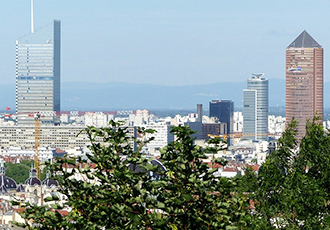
120,96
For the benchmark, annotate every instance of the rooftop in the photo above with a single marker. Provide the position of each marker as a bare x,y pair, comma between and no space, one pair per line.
304,40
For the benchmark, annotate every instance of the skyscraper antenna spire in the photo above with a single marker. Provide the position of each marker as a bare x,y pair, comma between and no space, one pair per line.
32,22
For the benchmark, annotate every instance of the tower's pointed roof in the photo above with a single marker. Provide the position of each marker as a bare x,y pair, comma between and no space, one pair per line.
304,40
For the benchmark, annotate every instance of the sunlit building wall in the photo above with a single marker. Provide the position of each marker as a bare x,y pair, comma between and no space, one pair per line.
304,81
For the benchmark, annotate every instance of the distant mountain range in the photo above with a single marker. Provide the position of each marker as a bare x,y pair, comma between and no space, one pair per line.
126,96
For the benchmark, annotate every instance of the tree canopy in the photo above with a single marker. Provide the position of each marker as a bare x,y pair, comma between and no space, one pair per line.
19,172
105,193
290,191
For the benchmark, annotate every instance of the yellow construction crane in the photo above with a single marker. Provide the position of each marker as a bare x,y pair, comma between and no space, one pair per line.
37,120
37,143
238,135
224,136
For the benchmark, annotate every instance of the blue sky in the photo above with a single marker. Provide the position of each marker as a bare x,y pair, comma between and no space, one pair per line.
168,42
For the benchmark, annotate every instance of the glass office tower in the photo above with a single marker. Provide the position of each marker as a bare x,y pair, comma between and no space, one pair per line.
38,65
224,111
255,108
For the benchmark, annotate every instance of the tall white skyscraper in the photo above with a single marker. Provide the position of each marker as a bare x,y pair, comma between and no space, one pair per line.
38,72
255,108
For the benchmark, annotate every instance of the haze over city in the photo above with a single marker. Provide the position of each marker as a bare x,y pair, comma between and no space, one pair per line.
167,42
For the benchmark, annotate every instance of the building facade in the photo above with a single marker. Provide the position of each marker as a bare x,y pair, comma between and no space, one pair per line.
161,137
38,66
64,137
224,111
304,81
213,129
255,108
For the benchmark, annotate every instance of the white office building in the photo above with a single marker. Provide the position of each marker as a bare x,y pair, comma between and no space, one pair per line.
38,58
255,108
162,136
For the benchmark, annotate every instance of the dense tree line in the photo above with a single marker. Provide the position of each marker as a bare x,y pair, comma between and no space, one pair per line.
291,190
19,172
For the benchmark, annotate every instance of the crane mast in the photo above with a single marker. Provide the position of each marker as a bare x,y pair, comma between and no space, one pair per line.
37,143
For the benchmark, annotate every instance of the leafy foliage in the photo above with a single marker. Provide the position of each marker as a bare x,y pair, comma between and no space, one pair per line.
293,185
111,196
291,191
248,183
18,172
191,196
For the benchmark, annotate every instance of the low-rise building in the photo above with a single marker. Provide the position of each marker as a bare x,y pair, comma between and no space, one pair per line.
63,136
162,136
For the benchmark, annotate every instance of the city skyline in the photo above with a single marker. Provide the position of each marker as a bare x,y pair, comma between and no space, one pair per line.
166,43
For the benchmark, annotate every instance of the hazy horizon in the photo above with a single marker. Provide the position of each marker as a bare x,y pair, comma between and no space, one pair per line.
167,42
137,83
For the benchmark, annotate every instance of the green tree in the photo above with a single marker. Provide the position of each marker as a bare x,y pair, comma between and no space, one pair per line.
111,196
108,195
312,177
248,183
293,183
19,172
274,181
190,195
